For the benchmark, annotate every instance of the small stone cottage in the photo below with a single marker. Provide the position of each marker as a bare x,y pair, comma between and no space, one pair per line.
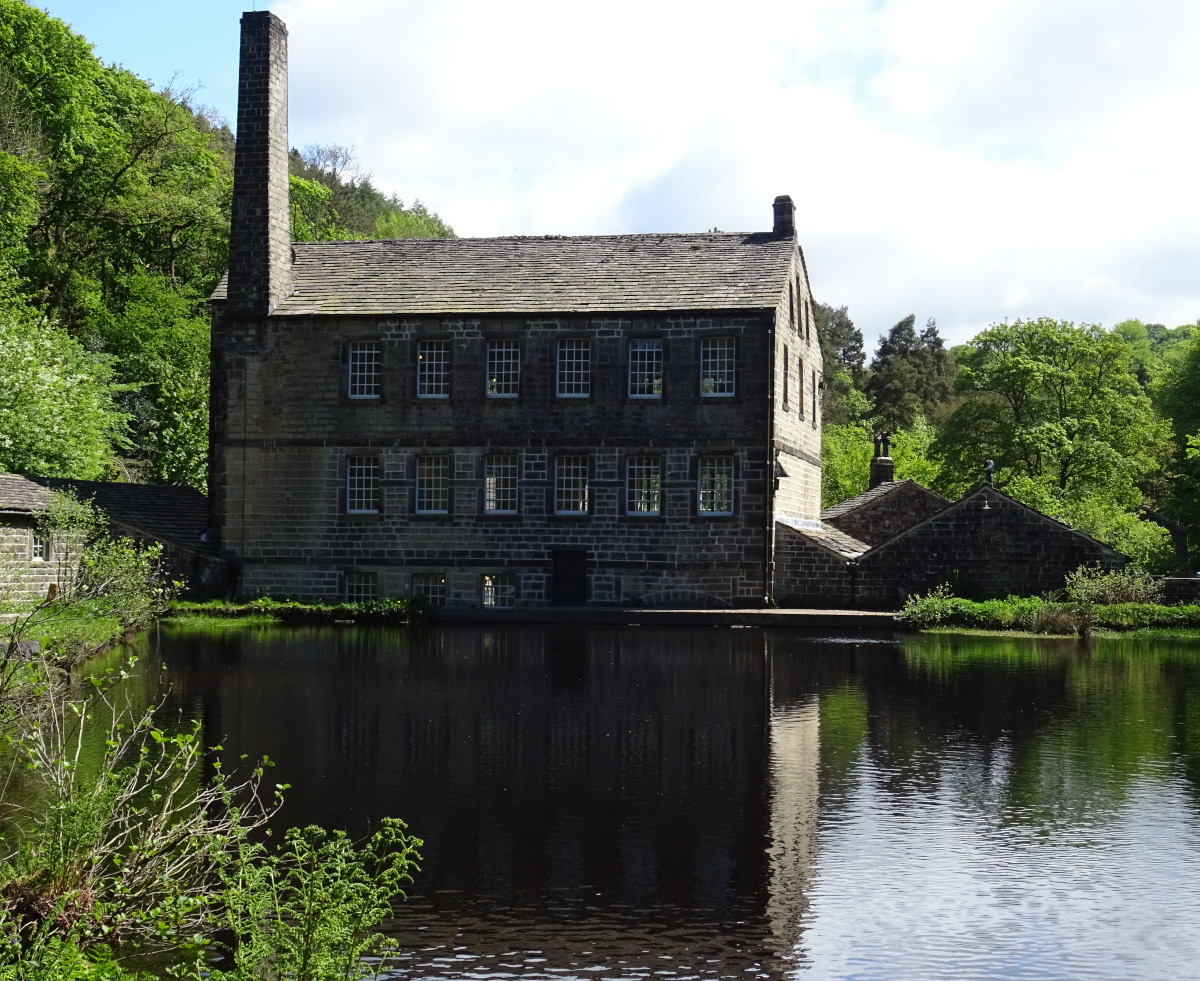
898,538
506,422
177,517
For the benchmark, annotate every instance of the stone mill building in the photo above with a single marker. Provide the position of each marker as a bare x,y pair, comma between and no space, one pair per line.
516,421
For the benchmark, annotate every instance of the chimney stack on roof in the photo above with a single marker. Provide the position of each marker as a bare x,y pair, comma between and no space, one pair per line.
260,241
785,216
883,469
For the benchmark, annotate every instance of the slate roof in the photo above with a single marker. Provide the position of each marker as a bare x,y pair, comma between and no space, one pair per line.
178,514
829,537
546,274
869,497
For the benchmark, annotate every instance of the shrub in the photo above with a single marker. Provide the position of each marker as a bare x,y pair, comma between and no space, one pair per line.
1091,584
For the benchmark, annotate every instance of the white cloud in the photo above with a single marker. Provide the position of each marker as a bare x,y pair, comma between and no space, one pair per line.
970,161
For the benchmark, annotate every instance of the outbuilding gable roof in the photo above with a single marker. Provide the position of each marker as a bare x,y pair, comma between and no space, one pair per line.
828,537
545,274
178,514
871,496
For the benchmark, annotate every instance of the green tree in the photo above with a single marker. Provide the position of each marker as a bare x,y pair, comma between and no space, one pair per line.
846,453
911,374
1071,432
57,411
843,359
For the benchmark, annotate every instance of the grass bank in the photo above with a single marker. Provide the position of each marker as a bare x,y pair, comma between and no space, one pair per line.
1032,614
267,612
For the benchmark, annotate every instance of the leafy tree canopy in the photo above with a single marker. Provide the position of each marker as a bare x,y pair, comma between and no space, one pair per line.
911,374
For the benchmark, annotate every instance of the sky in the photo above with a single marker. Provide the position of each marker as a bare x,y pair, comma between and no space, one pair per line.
967,161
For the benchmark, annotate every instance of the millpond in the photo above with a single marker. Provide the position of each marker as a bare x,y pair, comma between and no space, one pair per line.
717,803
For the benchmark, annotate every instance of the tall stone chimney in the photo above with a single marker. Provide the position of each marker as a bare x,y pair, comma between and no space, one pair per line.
785,216
260,240
883,469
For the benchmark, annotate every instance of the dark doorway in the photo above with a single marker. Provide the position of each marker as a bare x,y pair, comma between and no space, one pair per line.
569,577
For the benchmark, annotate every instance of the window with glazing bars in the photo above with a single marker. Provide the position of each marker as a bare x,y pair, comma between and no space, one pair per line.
431,585
716,485
717,366
433,484
500,590
433,369
41,549
571,485
360,586
503,369
362,485
574,368
366,357
643,485
500,484
645,368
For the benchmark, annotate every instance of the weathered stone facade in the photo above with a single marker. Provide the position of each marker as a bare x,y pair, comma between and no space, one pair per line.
321,484
884,511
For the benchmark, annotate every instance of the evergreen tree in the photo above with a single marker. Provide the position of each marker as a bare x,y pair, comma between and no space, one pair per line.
911,374
843,359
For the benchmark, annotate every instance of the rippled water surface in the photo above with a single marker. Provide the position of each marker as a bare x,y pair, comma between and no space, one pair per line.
669,804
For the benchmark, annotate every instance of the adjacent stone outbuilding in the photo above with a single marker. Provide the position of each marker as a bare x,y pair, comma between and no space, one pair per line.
176,517
884,511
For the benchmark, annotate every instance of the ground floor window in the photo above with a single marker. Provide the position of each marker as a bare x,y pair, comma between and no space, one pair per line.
716,485
41,549
361,586
500,590
431,585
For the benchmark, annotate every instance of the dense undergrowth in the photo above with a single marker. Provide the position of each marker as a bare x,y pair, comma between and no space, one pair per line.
1092,600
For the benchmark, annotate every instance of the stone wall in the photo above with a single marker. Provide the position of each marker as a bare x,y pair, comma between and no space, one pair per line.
21,576
807,575
1007,548
284,427
884,517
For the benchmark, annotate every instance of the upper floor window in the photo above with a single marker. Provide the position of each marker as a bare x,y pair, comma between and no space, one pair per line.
800,387
571,485
433,484
41,549
643,486
503,369
362,485
574,368
365,359
717,366
500,484
787,371
361,586
716,485
646,368
814,398
433,369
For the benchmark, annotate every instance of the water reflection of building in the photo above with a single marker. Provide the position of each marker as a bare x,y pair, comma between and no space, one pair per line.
650,786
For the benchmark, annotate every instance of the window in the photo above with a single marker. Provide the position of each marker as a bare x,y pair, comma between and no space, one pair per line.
433,484
643,486
41,549
800,386
362,485
365,360
500,590
503,369
645,369
807,320
500,485
787,364
716,485
814,398
431,585
716,366
574,368
571,485
433,369
360,586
